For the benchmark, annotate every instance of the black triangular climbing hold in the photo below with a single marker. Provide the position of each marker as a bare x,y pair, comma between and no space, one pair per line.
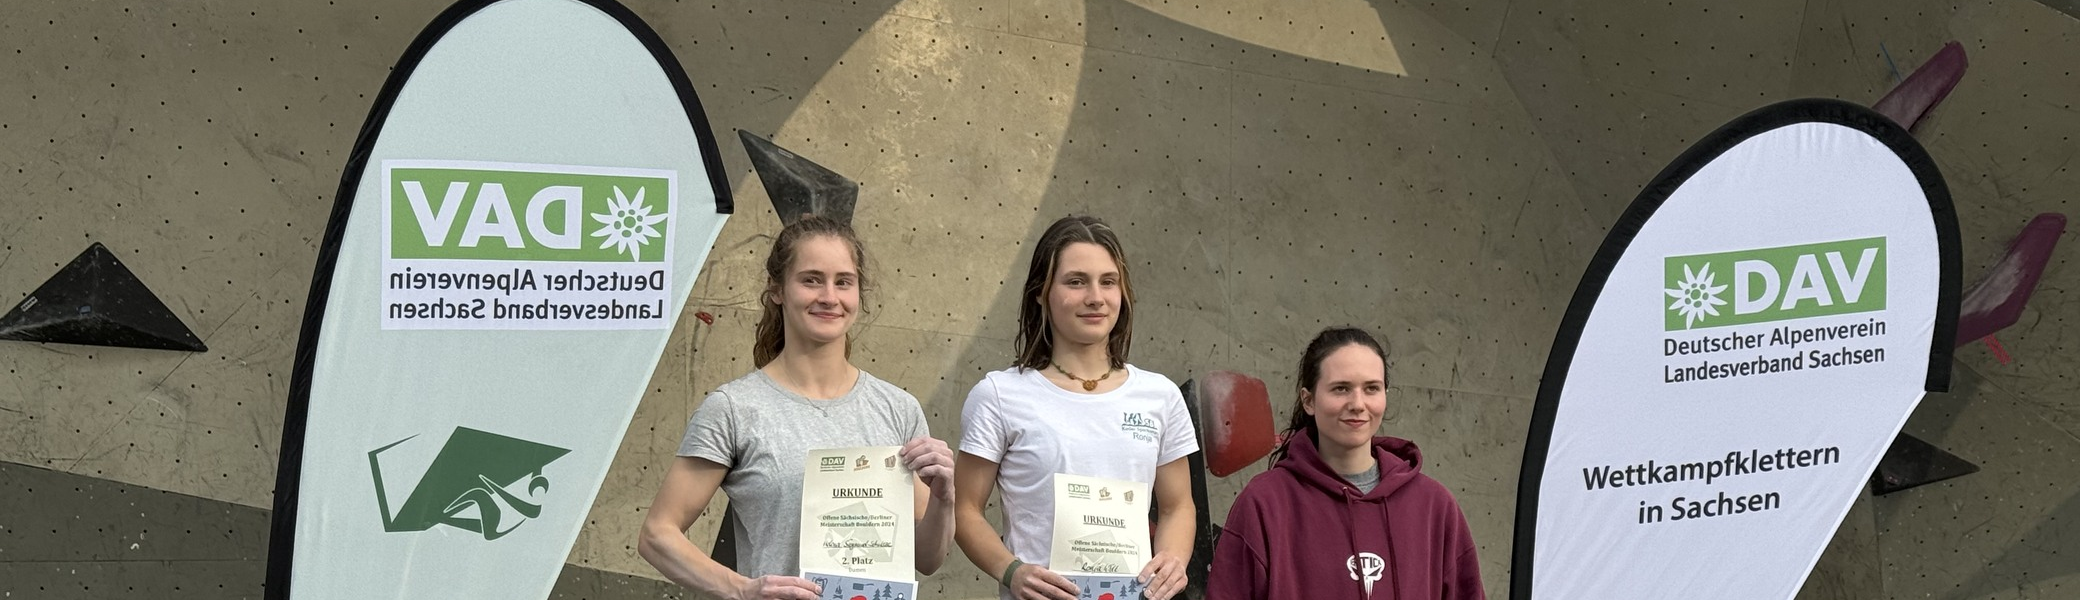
1911,462
96,301
797,185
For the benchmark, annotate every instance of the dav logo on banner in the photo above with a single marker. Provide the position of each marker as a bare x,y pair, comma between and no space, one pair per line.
474,245
476,481
1774,284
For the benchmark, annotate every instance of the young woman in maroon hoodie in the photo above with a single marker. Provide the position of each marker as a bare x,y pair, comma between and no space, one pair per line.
1344,513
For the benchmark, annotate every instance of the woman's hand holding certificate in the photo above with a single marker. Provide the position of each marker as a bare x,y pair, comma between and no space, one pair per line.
858,520
1164,576
932,461
1035,582
1101,536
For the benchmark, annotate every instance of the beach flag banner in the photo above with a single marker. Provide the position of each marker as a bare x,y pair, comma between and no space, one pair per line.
516,232
1747,342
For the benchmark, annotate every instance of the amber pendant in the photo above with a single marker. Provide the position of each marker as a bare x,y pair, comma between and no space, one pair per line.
1090,385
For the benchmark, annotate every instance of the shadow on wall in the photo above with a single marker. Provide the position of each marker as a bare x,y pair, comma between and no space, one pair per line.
2022,565
1185,130
1156,143
1998,529
1173,197
820,54
2069,7
1188,196
1359,39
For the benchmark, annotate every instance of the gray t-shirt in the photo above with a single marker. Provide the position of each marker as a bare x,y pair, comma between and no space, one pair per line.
1365,480
762,432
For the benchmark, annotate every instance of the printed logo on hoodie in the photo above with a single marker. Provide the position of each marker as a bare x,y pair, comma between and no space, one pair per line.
1366,567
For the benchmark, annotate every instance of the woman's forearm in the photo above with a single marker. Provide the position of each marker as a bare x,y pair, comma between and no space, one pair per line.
934,535
685,564
1176,523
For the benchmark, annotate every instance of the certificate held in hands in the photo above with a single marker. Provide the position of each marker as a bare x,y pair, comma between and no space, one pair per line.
1101,537
858,523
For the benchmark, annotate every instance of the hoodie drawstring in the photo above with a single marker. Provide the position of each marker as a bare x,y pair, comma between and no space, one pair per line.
1307,467
1393,568
1350,534
1390,572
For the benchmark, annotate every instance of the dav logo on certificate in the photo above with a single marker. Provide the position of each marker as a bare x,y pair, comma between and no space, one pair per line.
1100,534
858,512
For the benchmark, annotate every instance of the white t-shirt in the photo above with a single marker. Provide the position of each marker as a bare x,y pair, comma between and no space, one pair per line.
1033,429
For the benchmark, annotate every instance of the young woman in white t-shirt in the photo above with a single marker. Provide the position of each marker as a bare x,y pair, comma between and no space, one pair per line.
1072,404
751,436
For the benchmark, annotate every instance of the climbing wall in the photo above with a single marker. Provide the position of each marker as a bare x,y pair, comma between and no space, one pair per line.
1438,172
2004,140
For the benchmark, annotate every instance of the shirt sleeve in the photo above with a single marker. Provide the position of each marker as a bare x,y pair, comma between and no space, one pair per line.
1180,438
982,422
913,418
712,432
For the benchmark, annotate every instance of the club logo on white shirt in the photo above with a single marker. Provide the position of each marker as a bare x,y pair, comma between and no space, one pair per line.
1366,567
1143,427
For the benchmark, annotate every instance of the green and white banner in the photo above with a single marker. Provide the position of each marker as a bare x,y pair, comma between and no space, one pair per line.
516,233
582,248
1744,347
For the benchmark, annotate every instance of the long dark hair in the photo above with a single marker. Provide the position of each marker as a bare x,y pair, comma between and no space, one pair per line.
1328,341
772,330
1035,342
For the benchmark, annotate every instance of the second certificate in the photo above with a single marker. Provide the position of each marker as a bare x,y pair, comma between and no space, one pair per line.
1100,525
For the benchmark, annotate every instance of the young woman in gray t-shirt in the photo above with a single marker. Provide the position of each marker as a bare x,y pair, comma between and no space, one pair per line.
750,436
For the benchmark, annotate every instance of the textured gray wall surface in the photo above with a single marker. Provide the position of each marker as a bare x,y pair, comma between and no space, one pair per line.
2004,141
1437,171
75,536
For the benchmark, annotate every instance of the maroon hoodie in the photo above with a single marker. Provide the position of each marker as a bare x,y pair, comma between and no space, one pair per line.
1300,530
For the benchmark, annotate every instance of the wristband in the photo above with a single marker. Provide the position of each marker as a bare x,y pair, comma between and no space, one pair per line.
1009,570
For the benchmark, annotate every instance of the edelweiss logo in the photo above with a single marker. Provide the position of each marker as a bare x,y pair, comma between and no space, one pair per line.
1774,284
1695,295
459,210
629,224
469,484
1366,567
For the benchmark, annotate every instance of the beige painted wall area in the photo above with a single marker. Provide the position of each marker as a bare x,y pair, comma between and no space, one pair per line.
1438,172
